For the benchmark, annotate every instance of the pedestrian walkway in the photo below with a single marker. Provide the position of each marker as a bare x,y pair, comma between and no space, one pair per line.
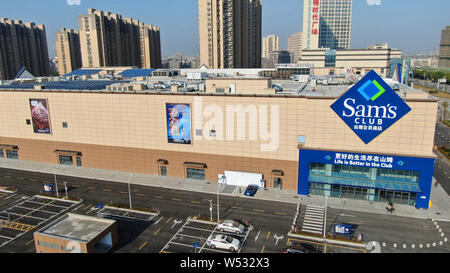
439,210
314,219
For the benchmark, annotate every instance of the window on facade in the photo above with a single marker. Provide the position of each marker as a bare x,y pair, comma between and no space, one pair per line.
12,154
65,160
2,154
45,244
196,173
64,124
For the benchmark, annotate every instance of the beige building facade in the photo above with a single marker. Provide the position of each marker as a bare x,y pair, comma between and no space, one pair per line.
68,50
107,39
363,60
22,45
249,133
270,44
295,45
230,33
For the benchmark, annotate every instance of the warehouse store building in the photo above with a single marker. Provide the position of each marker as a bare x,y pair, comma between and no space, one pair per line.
298,141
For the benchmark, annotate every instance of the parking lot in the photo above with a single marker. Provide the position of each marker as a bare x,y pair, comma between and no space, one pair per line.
26,213
192,237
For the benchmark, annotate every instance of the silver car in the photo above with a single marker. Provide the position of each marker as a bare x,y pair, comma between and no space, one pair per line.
231,226
223,242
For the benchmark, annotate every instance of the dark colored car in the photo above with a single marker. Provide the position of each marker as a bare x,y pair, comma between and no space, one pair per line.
294,247
251,190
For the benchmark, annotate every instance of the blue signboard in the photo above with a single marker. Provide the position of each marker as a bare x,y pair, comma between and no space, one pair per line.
343,229
48,188
424,167
370,107
178,123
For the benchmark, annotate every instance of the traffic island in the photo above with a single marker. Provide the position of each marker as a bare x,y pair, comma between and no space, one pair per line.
327,239
8,189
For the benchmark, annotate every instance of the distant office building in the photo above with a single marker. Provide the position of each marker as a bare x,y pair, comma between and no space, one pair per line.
230,33
107,39
358,61
295,44
270,43
280,57
22,45
68,50
327,24
444,51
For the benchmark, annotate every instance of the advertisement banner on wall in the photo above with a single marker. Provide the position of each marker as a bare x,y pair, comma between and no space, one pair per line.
178,123
40,116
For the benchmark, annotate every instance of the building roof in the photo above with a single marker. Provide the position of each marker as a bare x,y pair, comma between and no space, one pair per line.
77,227
63,85
83,72
133,73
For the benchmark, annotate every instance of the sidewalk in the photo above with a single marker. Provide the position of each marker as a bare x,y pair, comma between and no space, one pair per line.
439,211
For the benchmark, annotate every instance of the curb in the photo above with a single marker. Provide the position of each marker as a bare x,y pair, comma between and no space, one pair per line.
329,241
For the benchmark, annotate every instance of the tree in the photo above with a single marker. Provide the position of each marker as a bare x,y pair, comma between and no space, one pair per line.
445,105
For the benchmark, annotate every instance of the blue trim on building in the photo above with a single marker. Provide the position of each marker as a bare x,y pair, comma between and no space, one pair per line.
425,166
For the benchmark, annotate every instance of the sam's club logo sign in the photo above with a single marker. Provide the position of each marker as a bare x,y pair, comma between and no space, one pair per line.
370,107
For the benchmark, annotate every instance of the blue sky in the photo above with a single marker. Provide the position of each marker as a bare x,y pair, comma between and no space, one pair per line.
411,25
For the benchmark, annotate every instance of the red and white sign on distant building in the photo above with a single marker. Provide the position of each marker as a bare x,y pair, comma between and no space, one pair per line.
315,17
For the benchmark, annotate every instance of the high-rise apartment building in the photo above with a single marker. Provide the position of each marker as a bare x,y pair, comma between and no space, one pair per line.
270,43
68,50
107,39
444,49
22,45
327,24
230,33
295,45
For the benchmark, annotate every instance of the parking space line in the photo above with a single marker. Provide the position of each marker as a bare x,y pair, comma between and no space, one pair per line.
143,245
156,232
262,249
195,202
158,197
168,220
268,235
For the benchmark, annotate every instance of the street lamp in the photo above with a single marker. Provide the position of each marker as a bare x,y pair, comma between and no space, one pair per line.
56,182
325,220
210,209
65,188
129,191
218,184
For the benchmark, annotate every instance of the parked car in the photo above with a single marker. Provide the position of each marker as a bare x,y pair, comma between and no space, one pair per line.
231,226
251,190
294,247
223,242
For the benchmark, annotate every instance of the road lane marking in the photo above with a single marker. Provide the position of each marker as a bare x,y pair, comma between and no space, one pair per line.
20,178
168,220
195,202
236,207
258,210
262,249
281,213
29,242
7,176
91,188
143,245
108,190
158,197
33,180
177,199
75,186
140,194
268,235
123,192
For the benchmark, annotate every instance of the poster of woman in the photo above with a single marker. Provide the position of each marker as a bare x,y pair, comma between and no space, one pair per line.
178,123
40,116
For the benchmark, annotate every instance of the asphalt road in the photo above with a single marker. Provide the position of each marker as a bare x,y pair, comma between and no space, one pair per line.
271,221
442,165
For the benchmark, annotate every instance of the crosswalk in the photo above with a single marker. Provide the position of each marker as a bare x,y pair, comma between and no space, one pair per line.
313,220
